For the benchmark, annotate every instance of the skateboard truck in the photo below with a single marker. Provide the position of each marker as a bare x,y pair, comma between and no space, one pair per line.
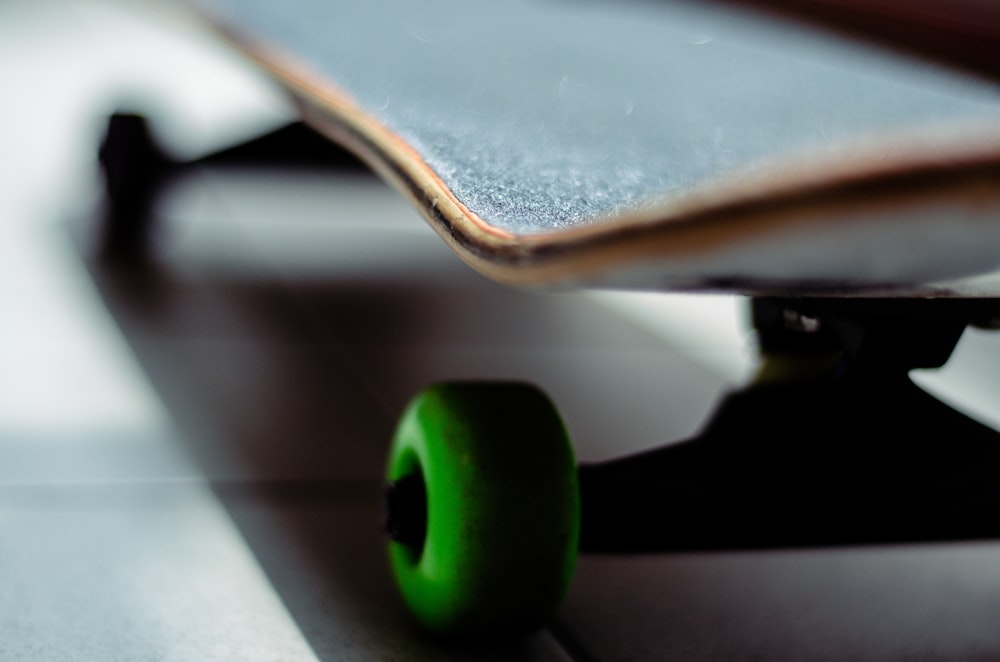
846,450
831,445
136,169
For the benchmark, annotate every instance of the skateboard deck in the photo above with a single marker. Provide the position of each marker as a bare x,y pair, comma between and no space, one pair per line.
668,145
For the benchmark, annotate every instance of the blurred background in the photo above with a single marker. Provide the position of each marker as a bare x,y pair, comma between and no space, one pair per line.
191,447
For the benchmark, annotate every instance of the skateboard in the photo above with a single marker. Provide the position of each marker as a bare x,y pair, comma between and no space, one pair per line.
852,190
658,146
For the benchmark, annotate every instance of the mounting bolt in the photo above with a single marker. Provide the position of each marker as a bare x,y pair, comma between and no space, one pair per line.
796,321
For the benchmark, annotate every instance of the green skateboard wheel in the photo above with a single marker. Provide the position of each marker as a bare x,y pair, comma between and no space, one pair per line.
483,508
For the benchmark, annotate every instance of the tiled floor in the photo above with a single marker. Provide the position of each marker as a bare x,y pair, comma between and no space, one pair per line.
190,453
